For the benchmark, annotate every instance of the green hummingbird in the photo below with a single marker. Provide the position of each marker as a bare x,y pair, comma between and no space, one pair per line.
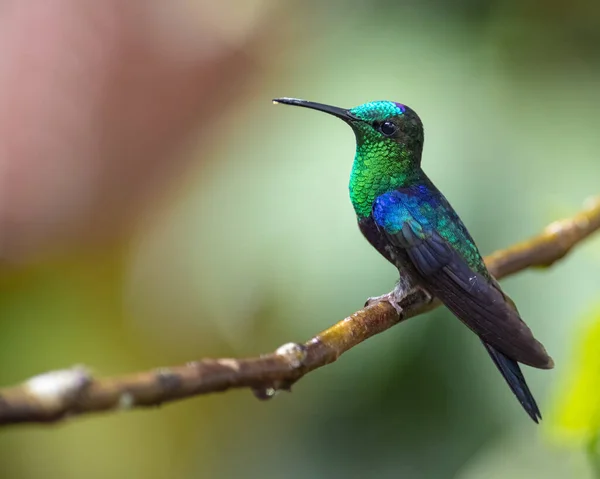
410,222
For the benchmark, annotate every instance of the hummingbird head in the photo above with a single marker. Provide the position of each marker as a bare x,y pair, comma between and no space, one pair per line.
389,143
385,123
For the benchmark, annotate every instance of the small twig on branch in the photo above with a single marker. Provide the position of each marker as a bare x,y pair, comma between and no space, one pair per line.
71,392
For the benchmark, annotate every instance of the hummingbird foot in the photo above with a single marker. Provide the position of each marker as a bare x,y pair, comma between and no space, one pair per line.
399,293
394,297
388,298
427,297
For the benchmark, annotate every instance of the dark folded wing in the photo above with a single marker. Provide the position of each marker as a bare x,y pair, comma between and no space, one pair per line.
473,298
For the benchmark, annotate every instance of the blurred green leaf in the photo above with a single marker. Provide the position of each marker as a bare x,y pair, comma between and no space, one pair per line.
576,415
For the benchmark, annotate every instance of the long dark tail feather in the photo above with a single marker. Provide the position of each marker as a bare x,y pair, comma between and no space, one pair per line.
514,377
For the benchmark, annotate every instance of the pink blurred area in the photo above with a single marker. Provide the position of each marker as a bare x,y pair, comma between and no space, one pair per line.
96,100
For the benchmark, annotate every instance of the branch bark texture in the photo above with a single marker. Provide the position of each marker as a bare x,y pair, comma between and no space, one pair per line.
57,395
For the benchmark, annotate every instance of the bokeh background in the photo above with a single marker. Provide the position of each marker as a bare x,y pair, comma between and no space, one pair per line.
155,207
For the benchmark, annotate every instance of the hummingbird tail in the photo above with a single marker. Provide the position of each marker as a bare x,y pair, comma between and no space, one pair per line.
514,377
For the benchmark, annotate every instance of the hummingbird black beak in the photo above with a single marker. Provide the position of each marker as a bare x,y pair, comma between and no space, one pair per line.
332,110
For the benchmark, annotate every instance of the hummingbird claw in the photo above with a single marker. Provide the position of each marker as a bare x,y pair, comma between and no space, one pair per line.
400,292
426,294
391,298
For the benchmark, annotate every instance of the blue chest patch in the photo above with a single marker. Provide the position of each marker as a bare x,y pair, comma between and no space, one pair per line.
396,209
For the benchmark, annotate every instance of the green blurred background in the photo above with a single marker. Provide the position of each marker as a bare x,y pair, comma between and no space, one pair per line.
254,244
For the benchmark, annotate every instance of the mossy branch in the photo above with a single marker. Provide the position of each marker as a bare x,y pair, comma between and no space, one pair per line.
66,393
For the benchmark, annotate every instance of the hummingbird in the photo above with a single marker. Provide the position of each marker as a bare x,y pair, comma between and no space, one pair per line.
409,221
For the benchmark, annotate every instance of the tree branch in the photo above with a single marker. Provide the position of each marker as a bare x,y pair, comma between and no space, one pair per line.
60,394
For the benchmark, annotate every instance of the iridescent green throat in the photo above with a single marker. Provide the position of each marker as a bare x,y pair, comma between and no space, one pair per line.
380,165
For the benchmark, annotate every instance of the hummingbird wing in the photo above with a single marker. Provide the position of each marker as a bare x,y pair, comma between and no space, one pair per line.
411,220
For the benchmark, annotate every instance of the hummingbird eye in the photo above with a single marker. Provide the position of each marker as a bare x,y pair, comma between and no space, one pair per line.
388,128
